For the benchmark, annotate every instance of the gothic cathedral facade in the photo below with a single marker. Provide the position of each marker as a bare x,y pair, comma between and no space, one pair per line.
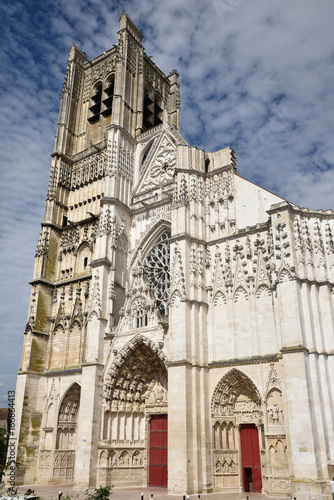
180,330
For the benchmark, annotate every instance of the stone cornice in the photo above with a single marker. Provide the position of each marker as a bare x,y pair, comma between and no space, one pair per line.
65,371
150,133
308,351
99,262
120,128
31,372
245,361
57,284
37,332
194,301
285,205
62,155
92,363
95,148
115,201
241,232
193,171
70,225
41,281
150,206
294,349
313,282
183,362
222,364
185,236
98,59
82,277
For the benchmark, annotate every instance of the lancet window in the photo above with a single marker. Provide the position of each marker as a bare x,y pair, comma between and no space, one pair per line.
157,272
139,313
153,111
101,99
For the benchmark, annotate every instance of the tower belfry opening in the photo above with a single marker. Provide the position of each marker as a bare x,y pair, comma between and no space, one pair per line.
180,316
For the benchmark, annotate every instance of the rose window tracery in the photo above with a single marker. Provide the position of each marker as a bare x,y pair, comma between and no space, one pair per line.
157,272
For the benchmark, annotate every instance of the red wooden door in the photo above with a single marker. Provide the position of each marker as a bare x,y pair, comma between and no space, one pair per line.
158,451
250,458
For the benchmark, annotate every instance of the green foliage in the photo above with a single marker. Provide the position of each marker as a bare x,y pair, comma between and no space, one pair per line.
3,442
3,451
11,492
101,493
70,497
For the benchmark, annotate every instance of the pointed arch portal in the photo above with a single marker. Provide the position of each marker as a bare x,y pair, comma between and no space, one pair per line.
237,415
134,427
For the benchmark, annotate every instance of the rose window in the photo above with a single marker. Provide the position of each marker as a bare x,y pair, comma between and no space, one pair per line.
157,272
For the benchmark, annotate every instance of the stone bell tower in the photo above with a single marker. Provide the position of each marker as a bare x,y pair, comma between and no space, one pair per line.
80,270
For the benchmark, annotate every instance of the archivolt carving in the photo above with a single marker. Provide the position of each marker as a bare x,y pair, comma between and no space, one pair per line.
176,298
219,299
284,276
236,395
235,401
262,292
134,372
240,295
69,408
135,388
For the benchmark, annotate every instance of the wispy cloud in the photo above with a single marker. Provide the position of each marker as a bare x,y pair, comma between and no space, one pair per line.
255,75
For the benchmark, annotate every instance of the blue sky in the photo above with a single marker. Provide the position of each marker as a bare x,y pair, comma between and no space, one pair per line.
255,74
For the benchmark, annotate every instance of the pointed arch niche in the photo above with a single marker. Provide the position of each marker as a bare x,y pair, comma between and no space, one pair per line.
135,389
64,454
152,258
83,258
235,402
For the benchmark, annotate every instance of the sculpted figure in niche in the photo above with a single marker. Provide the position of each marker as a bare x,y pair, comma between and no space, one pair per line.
136,459
159,393
273,414
112,458
73,412
124,458
219,467
274,408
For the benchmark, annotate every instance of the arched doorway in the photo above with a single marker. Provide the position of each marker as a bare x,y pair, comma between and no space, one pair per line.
64,454
237,415
134,429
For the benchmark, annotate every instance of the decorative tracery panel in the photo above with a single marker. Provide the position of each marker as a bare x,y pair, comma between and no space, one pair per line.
64,455
157,272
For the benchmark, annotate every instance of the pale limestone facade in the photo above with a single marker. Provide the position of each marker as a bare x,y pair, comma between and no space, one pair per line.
166,284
